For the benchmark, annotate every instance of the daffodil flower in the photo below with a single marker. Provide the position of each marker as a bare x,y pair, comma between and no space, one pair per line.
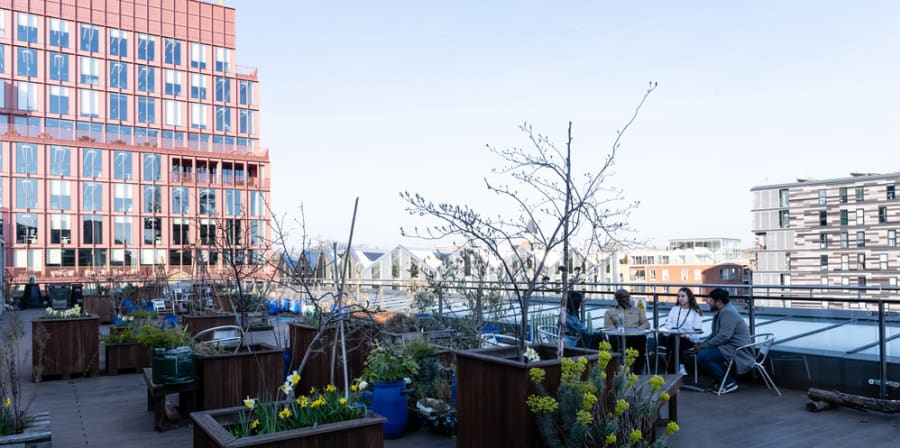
249,402
363,385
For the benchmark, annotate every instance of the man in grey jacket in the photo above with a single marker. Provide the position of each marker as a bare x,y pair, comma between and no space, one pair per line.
729,331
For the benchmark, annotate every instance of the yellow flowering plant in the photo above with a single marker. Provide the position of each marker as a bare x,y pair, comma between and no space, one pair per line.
589,410
292,410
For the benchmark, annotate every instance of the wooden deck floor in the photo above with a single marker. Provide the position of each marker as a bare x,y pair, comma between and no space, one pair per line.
110,411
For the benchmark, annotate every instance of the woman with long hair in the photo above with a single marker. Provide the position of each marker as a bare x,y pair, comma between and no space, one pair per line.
684,316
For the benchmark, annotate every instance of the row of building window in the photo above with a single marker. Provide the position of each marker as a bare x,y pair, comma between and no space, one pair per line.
860,262
124,134
120,72
89,37
60,164
122,195
122,106
234,231
97,258
784,217
860,239
843,195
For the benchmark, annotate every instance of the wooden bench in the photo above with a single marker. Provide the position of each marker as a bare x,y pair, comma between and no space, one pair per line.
672,386
156,400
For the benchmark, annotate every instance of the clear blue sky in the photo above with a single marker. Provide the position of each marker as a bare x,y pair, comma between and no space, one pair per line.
367,99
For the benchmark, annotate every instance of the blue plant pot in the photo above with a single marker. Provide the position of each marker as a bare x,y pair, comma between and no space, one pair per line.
390,401
284,305
273,307
287,362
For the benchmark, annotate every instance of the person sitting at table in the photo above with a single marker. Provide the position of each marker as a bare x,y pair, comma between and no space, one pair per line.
577,334
729,331
633,317
684,316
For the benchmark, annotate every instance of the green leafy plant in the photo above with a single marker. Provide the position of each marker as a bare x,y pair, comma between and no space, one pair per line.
156,337
587,413
289,411
15,403
384,365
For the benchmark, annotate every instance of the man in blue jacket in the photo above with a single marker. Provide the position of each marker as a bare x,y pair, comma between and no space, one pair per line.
729,331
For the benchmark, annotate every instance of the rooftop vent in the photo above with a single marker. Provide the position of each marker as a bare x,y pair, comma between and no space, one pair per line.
862,174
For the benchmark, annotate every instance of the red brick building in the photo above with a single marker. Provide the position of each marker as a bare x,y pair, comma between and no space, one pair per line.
129,139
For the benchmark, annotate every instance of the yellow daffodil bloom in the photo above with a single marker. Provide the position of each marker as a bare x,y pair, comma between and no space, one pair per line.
255,424
330,388
342,401
8,402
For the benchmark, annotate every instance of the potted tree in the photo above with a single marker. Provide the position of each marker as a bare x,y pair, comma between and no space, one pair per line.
553,206
388,372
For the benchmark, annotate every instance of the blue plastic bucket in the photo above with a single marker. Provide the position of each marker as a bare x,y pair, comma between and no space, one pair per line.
389,400
296,307
284,305
273,307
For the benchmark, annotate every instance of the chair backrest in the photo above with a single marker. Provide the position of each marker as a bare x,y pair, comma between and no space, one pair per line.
497,340
762,343
159,305
548,334
223,336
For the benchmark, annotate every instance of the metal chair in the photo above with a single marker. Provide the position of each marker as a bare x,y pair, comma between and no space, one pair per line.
222,337
548,334
497,340
759,349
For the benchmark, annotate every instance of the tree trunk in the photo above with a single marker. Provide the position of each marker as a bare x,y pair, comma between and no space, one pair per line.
835,398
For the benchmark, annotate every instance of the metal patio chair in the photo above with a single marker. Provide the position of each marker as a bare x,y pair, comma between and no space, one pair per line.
759,349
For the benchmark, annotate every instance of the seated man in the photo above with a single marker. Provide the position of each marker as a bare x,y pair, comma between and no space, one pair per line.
633,317
577,334
729,331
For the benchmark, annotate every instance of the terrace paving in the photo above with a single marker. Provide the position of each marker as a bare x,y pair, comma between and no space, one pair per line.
110,411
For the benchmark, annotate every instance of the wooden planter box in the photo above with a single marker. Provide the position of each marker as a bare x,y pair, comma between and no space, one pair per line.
226,379
210,432
72,347
126,358
198,322
37,434
317,372
491,393
103,306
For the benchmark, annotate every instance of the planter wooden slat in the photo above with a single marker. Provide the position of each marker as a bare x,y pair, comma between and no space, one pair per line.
103,306
209,432
227,378
317,372
72,347
126,358
491,393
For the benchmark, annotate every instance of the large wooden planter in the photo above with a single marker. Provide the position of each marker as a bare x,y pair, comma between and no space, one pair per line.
37,434
197,322
227,378
317,372
72,347
491,391
210,432
103,306
131,357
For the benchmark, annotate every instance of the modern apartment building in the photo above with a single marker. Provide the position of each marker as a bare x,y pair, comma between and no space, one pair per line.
130,140
835,232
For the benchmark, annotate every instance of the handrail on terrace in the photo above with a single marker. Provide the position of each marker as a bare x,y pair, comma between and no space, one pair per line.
859,305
